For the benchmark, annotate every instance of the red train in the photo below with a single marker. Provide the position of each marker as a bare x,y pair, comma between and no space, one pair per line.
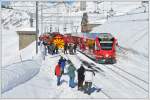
98,46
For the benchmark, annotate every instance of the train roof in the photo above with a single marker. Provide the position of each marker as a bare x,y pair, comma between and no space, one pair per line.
99,35
105,35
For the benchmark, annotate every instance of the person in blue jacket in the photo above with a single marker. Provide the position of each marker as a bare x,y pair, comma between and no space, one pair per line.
62,62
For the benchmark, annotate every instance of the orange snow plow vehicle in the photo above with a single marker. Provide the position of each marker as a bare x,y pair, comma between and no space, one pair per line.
54,37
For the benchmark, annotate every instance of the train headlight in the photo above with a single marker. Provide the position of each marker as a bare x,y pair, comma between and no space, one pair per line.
100,56
107,55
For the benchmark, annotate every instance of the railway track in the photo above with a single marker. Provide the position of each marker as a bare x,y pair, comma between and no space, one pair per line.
131,81
130,74
110,67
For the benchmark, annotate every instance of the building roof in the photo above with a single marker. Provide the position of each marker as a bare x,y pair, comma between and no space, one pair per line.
31,29
26,31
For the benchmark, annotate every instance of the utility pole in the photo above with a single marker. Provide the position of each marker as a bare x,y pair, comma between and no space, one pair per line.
41,19
37,28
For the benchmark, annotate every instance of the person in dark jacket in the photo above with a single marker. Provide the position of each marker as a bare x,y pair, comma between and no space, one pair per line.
71,73
49,47
81,77
71,49
53,48
58,73
75,47
62,62
56,49
65,48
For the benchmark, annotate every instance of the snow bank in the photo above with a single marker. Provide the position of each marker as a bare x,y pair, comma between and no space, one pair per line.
10,46
18,73
29,52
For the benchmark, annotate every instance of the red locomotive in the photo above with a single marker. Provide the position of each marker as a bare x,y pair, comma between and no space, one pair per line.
105,51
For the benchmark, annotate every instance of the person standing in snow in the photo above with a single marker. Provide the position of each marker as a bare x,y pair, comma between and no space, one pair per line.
71,73
69,47
50,48
56,49
53,48
58,73
62,62
72,48
65,48
75,47
81,77
89,74
42,48
45,45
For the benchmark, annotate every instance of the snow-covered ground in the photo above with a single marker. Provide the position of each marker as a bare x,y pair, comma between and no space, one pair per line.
128,78
44,85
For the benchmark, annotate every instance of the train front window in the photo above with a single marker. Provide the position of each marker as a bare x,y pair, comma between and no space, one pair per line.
106,46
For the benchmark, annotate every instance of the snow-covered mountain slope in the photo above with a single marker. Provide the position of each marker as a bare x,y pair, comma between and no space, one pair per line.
55,12
15,18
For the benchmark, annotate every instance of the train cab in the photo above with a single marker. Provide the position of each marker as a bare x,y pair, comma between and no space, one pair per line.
105,48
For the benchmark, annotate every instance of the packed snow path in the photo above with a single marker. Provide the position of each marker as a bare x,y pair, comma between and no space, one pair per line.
43,85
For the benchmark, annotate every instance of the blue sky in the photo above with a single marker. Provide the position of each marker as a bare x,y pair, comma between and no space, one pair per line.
67,1
70,1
